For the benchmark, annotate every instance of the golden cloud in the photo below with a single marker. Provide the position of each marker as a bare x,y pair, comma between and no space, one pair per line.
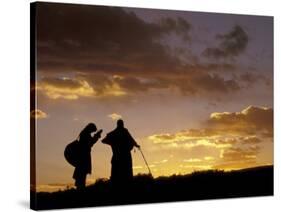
38,114
115,116
209,158
72,89
198,160
196,167
225,130
192,160
138,167
192,82
184,135
65,88
252,119
251,140
231,165
192,138
161,161
240,154
233,139
113,89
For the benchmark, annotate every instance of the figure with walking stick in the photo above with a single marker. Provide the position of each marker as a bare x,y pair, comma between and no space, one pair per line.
121,143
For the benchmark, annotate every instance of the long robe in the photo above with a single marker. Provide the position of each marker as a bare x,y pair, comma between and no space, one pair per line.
121,143
84,165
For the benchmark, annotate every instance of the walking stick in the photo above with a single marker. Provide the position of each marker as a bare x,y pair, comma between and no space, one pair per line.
145,161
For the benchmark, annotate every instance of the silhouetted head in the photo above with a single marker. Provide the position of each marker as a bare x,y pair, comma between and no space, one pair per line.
91,127
120,123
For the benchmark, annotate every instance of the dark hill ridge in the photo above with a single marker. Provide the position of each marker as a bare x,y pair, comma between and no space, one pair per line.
211,184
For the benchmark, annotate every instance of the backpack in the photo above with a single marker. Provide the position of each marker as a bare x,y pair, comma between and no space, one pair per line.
72,153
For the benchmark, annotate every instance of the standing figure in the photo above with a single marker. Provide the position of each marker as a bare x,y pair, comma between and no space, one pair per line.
121,143
84,163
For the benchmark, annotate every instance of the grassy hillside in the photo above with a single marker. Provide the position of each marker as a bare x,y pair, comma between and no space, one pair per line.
145,189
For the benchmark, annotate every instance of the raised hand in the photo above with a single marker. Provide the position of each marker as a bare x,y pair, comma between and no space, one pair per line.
98,134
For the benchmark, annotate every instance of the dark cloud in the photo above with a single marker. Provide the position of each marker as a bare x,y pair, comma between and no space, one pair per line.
103,38
249,78
196,83
179,26
253,78
215,83
222,67
96,43
231,44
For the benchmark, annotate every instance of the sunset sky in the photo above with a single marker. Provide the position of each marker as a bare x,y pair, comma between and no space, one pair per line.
194,89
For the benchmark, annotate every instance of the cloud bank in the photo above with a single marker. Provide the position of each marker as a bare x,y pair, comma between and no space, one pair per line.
109,51
38,114
235,136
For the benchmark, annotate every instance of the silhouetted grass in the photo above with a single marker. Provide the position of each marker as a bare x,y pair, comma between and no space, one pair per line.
145,189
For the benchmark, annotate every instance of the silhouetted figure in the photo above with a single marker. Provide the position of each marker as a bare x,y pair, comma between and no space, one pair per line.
121,143
84,164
